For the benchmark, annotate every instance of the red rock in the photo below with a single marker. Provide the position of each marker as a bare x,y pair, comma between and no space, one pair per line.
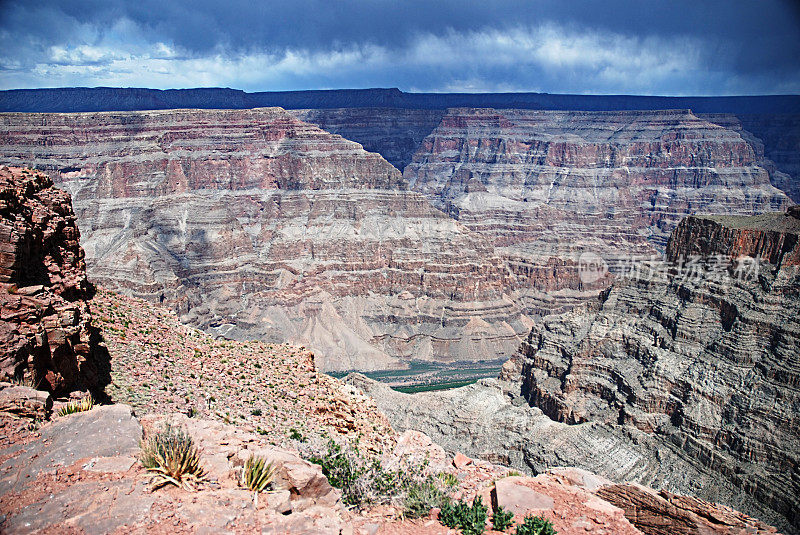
460,460
46,334
514,495
664,513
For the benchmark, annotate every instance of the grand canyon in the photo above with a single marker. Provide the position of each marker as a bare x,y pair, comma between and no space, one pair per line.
420,240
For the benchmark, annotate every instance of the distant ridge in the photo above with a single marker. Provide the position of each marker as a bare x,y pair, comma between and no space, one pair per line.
85,99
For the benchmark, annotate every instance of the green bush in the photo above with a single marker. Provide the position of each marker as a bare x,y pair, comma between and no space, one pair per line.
535,525
470,519
81,405
364,481
502,519
422,496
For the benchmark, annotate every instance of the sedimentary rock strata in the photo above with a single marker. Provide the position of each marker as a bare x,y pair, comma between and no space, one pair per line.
547,186
685,381
252,223
46,334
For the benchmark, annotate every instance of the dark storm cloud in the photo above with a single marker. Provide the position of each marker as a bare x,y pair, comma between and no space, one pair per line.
675,47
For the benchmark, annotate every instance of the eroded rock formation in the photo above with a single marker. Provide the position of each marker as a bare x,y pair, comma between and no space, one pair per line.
686,382
251,223
46,334
548,186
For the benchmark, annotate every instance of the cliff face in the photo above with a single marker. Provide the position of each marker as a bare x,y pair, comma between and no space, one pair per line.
251,223
687,382
705,362
46,335
776,138
548,186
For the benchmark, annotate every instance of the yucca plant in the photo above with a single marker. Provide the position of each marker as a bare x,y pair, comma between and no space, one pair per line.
77,405
257,473
173,459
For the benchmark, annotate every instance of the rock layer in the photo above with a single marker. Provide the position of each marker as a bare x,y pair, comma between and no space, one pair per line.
46,334
549,186
705,362
684,383
251,223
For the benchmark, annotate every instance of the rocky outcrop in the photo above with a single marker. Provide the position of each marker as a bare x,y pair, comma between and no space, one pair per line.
46,335
393,133
253,224
549,186
665,513
81,473
706,361
772,238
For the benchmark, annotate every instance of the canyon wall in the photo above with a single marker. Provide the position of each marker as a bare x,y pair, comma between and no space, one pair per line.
251,223
46,335
684,379
547,187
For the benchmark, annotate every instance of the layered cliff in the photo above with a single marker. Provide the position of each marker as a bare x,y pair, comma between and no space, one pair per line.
683,378
548,186
46,333
705,360
251,223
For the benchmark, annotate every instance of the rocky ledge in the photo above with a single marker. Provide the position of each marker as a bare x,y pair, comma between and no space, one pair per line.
46,333
80,473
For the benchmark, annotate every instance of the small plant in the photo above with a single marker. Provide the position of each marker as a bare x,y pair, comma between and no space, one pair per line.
26,380
449,479
173,459
77,405
294,434
470,519
513,473
422,496
257,474
255,412
535,525
502,519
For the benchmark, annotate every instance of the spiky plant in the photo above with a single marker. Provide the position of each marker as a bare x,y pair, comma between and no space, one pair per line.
257,473
77,405
173,459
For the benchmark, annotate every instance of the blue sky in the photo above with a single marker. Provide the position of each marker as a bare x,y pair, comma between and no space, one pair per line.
673,47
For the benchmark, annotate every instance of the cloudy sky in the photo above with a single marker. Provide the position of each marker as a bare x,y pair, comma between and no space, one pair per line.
670,47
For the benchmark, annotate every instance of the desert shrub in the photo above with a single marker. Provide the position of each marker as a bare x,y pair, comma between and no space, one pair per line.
294,434
419,497
363,480
535,525
257,474
502,519
77,405
470,519
173,459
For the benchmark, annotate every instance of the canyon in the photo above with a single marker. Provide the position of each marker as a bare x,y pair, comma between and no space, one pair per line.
260,223
381,235
684,380
253,224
